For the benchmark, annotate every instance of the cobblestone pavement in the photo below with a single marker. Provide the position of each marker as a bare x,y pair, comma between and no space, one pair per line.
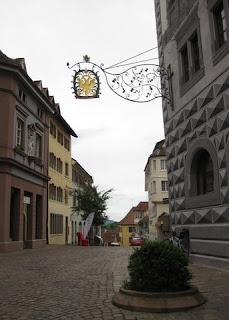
70,282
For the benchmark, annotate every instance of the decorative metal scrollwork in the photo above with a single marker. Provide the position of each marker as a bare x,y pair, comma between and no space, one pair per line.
140,83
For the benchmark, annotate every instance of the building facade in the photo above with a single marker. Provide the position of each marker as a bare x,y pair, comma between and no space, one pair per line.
193,38
127,228
25,109
140,211
79,178
156,184
60,184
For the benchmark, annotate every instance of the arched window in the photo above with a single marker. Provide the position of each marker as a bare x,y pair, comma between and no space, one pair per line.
201,175
202,166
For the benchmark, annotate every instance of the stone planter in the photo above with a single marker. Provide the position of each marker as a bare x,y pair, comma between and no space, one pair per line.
158,301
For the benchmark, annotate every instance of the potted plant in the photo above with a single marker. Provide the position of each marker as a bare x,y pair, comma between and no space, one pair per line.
159,280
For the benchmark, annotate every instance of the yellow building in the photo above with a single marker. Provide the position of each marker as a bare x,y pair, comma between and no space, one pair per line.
60,172
156,183
127,228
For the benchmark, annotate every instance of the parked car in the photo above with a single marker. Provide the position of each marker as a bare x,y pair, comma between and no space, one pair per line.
115,244
137,242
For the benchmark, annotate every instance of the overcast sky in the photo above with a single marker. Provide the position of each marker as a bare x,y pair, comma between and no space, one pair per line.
115,136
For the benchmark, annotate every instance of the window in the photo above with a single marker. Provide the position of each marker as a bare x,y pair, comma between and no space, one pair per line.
189,51
22,95
59,165
59,194
202,181
154,187
60,137
38,151
195,52
66,144
40,113
52,160
131,229
52,129
66,196
164,186
154,165
204,172
185,63
66,169
20,133
52,192
56,223
75,177
136,215
190,58
163,165
219,23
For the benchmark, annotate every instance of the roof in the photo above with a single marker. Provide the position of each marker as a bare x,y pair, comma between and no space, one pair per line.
66,125
18,67
142,206
110,235
19,62
158,151
76,164
129,218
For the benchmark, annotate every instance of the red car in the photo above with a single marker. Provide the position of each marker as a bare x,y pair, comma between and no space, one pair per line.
137,242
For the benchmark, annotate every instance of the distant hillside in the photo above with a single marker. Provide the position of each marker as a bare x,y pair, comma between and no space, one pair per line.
109,222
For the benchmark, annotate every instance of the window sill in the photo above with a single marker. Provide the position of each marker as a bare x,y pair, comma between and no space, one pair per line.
19,151
220,53
208,199
188,85
37,161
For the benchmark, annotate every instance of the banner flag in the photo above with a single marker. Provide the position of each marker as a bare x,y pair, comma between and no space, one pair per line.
88,224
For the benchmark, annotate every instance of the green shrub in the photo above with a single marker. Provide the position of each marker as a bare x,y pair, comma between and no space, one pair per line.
158,266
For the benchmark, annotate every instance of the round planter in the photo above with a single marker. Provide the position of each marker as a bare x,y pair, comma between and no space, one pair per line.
158,301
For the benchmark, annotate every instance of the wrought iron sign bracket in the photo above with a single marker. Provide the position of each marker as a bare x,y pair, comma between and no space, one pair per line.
139,83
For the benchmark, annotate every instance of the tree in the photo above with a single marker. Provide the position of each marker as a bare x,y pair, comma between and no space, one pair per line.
111,226
89,200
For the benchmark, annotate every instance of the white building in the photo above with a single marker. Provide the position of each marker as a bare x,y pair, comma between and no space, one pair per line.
156,184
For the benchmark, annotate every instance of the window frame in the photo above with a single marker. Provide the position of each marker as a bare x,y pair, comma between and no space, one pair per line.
21,136
184,36
38,151
164,186
154,165
218,52
56,223
22,95
66,169
211,198
164,166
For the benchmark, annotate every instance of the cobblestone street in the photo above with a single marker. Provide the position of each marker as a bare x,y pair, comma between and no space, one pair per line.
70,282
